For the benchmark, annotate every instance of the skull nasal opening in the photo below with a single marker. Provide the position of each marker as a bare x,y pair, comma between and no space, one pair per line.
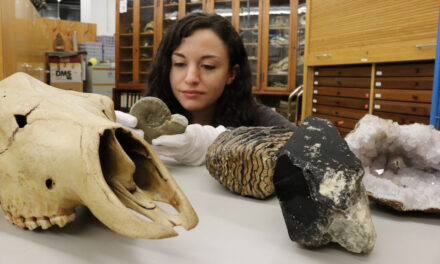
123,159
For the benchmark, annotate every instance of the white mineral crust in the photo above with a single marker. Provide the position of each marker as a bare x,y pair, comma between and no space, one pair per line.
401,162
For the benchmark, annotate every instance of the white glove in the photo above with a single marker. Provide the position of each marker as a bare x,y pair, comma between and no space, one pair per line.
128,121
190,147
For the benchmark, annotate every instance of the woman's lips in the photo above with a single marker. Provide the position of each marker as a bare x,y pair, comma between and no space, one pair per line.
191,94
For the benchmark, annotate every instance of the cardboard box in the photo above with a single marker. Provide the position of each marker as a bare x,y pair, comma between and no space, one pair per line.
69,86
66,70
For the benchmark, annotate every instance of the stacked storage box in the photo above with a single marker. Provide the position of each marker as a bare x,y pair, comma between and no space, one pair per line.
94,50
108,47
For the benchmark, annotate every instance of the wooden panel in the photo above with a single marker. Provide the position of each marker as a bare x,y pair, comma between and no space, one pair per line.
1,47
422,96
338,111
84,32
24,39
402,107
346,71
342,81
342,102
422,83
340,121
342,91
405,69
403,119
349,31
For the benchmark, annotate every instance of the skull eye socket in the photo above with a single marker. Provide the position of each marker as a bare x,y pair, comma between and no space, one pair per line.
49,183
21,120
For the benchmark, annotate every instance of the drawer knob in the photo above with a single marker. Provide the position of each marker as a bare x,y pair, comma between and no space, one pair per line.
340,122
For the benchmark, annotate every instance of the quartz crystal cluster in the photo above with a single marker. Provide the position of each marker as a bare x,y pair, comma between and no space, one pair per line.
401,162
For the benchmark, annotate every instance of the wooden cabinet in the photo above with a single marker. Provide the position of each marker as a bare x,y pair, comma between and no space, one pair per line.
272,32
24,39
391,44
403,91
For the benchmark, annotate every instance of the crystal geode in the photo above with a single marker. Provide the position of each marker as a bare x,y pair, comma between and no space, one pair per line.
318,182
401,163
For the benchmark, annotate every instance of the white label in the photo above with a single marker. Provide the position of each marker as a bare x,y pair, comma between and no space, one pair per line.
378,84
364,59
376,106
315,91
314,110
123,6
315,82
315,101
378,95
379,73
316,73
65,72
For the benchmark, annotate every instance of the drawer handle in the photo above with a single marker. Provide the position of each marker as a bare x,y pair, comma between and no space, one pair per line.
323,55
426,45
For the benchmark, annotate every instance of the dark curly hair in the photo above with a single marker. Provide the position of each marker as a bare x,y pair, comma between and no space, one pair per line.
236,106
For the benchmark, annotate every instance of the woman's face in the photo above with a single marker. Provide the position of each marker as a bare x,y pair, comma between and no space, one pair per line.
200,71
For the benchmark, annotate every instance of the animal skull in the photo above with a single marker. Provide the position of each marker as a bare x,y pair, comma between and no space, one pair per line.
60,149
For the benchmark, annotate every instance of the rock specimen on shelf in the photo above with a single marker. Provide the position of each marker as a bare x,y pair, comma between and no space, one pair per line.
60,149
155,119
244,159
401,163
318,182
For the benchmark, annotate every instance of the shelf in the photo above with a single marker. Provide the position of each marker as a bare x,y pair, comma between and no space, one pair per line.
249,29
125,73
126,47
278,28
126,34
126,60
251,44
146,33
147,7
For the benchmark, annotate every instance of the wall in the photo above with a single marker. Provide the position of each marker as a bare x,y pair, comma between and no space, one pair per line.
101,13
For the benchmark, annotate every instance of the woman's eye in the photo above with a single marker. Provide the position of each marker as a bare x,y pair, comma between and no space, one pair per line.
208,67
178,64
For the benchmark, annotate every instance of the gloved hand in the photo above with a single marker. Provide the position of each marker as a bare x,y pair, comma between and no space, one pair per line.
190,147
128,121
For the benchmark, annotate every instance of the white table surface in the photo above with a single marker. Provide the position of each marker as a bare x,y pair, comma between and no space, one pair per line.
231,229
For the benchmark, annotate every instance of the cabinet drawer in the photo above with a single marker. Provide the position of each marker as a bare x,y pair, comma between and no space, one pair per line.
340,121
421,109
344,92
355,82
406,69
419,83
422,96
339,111
403,119
340,101
350,71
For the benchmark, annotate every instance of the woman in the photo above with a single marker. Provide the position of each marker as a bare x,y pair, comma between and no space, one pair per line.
201,71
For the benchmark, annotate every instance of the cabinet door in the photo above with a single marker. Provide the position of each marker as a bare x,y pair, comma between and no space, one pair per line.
192,6
249,29
371,31
279,46
224,8
146,39
124,42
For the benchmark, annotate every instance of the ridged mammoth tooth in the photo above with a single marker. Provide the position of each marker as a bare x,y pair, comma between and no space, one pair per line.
318,182
244,159
401,163
60,149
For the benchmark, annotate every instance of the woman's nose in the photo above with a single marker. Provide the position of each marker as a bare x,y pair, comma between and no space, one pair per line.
192,75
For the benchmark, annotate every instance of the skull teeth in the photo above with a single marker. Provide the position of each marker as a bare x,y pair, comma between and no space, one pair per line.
43,222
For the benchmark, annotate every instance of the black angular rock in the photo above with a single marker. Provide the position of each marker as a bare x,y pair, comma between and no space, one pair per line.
318,183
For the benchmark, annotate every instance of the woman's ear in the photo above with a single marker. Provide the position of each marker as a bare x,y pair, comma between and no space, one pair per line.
233,73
